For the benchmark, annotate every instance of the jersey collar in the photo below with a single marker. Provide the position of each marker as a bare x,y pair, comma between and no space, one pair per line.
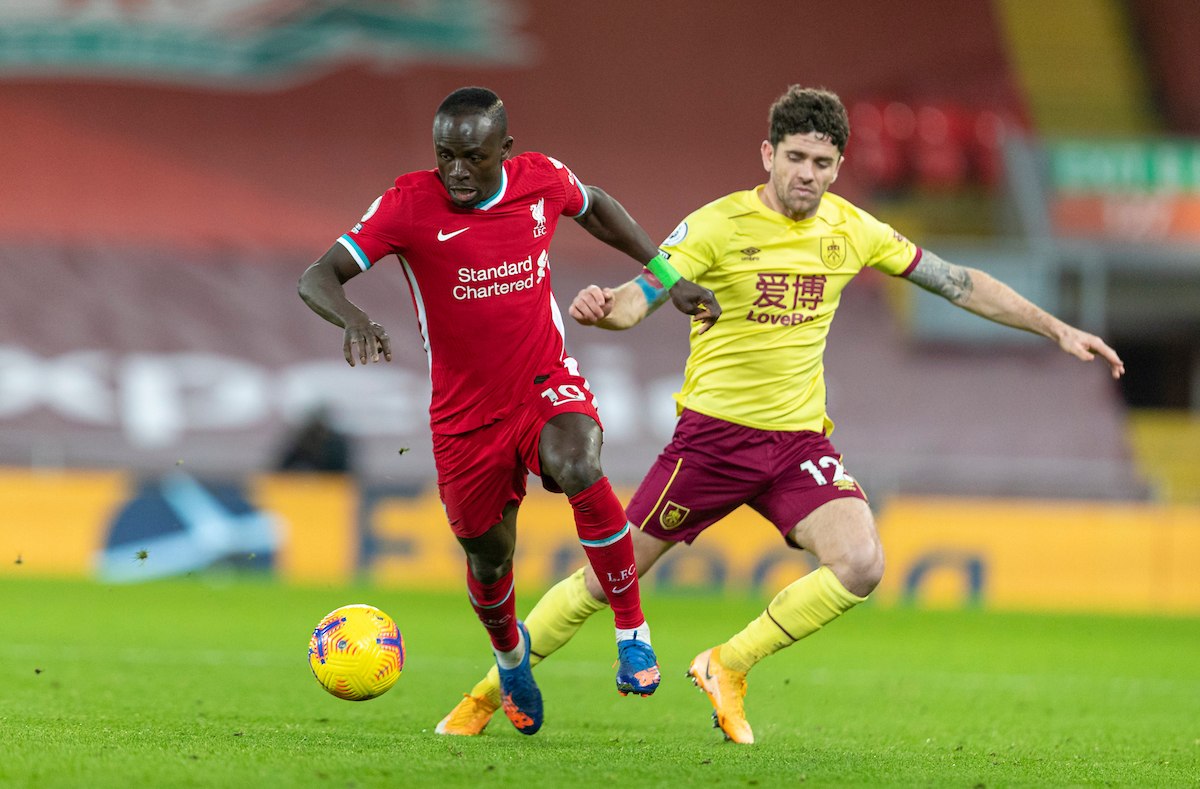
496,198
825,212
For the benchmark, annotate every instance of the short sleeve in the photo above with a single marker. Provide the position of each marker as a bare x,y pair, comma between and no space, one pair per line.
578,201
891,252
380,231
697,243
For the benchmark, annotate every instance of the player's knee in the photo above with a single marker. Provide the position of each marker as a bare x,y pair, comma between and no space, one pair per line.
860,568
871,570
577,473
570,452
489,569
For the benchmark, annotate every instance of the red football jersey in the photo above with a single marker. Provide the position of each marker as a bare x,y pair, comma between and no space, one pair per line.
480,281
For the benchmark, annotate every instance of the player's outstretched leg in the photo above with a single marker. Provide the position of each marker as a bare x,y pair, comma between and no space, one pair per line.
798,611
842,534
552,622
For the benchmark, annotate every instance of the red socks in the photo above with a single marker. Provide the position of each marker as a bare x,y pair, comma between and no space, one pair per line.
604,531
496,606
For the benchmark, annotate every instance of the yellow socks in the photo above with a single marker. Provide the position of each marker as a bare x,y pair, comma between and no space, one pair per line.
798,611
552,622
490,685
559,615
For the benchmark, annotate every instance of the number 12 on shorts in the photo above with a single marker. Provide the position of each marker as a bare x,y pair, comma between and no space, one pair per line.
567,393
839,473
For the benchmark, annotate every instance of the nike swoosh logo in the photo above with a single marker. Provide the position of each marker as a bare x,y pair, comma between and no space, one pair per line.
707,673
623,588
443,236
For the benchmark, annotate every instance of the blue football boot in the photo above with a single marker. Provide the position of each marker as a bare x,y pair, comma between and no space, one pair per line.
519,694
638,672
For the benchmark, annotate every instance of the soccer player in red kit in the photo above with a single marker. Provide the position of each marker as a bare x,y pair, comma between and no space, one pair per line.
473,238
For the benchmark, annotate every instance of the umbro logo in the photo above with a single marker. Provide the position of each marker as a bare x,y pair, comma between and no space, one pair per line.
444,236
750,253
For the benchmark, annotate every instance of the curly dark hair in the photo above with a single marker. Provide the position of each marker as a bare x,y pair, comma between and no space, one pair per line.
802,110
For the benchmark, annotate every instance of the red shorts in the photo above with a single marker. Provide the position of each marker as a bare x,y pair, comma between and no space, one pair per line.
483,471
712,467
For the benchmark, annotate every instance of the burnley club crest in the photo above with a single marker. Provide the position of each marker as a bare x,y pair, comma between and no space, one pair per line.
672,515
833,251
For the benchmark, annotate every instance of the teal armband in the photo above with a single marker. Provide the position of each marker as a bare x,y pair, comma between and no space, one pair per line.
661,268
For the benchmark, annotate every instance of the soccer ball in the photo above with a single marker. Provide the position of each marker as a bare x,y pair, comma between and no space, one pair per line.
356,652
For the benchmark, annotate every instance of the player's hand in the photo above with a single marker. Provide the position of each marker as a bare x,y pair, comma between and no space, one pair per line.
697,301
592,305
1087,346
364,338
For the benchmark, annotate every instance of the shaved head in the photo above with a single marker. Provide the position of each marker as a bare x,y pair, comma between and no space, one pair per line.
475,101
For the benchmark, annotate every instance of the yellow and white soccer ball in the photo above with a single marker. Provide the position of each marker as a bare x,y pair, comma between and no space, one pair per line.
356,652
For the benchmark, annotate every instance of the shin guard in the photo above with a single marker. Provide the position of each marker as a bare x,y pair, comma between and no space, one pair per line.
604,531
496,606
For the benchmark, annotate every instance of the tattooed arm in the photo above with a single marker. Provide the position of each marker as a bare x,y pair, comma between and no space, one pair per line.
990,298
622,307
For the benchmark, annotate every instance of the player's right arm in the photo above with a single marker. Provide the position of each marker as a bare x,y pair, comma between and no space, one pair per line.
601,215
622,307
321,287
607,220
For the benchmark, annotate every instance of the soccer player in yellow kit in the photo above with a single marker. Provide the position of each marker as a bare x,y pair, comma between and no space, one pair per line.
753,428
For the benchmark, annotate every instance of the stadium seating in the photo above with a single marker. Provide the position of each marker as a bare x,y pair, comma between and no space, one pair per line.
224,168
1170,34
1166,445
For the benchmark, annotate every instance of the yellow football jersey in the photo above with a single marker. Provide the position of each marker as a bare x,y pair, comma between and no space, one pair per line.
778,283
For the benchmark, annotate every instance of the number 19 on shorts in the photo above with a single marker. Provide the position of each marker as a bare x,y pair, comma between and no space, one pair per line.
564,393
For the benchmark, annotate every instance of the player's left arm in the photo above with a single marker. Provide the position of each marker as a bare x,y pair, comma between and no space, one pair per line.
607,220
988,297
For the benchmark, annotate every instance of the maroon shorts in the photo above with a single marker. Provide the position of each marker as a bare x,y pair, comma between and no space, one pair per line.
712,467
483,471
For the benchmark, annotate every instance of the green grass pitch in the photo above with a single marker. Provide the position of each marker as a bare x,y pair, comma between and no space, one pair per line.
206,683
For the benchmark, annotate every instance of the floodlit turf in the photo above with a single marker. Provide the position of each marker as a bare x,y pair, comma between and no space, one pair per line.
196,683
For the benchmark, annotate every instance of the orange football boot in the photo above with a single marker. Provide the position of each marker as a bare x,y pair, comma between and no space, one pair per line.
468,717
725,688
